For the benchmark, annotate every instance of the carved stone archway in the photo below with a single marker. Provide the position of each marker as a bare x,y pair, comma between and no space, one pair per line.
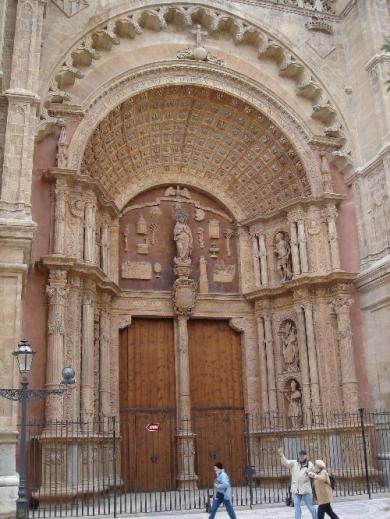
232,141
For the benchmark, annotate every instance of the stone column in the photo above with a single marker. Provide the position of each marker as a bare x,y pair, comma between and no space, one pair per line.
269,348
59,218
22,109
57,291
245,249
104,248
341,307
249,344
105,357
16,226
263,364
302,246
87,352
331,215
304,362
73,345
312,356
114,251
89,232
294,246
187,479
263,260
256,260
183,299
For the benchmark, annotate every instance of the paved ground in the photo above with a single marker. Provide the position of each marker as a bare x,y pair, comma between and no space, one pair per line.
377,508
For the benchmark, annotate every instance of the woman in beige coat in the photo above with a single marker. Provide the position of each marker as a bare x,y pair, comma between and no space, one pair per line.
323,490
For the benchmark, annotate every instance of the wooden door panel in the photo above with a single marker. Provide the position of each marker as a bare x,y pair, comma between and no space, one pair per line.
217,398
147,395
215,365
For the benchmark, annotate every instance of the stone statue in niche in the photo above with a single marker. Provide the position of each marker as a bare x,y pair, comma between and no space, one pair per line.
290,349
294,397
282,252
182,235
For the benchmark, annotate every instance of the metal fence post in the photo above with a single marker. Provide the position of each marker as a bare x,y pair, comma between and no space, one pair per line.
114,459
249,460
361,414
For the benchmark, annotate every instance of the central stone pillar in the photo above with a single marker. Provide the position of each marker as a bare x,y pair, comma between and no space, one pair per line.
183,297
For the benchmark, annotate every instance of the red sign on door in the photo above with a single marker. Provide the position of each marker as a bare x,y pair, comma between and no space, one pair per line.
152,427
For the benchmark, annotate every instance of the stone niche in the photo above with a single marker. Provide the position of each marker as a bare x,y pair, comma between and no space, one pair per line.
147,247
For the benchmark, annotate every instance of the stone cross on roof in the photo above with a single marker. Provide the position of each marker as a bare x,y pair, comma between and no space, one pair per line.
199,33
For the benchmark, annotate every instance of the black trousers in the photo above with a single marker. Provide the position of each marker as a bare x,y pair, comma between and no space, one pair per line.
326,508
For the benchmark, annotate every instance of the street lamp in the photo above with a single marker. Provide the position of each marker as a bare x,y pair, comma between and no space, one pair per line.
24,356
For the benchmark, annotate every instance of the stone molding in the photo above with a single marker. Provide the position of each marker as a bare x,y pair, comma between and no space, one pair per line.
132,23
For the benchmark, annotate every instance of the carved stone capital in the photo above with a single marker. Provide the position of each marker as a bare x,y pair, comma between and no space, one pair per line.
58,275
88,299
342,305
296,215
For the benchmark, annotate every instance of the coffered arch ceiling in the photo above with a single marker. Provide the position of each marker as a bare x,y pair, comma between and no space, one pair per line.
201,137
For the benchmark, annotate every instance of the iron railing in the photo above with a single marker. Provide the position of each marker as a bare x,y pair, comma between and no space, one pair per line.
144,462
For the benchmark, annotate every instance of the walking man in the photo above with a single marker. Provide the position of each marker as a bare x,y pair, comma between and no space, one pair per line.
300,481
222,492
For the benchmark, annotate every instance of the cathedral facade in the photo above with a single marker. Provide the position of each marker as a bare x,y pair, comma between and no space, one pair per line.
194,192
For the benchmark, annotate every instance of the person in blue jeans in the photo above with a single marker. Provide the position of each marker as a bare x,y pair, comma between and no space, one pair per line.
223,492
300,481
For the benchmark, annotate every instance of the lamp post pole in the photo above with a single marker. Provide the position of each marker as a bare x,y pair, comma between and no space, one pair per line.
24,356
22,501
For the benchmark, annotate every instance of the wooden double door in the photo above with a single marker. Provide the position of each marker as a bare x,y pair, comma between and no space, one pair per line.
148,401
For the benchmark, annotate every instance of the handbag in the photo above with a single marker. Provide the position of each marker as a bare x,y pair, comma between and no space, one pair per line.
288,501
220,495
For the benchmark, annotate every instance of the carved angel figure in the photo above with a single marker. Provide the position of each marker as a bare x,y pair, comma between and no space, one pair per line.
282,252
294,398
182,235
290,346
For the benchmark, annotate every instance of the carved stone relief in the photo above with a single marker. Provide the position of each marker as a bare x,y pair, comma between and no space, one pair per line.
170,217
136,270
293,396
289,346
378,212
223,273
